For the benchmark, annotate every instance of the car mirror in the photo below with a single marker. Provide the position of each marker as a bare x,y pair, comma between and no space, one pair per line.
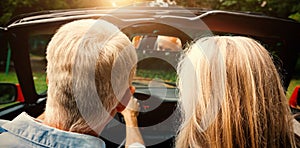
8,93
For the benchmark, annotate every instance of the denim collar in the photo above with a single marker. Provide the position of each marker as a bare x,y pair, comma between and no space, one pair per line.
27,128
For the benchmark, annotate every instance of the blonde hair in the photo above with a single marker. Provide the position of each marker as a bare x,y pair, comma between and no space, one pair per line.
231,96
82,56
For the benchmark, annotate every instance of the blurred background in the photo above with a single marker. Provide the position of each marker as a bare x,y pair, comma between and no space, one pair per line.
278,8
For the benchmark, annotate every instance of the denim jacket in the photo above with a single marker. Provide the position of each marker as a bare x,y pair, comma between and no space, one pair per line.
24,131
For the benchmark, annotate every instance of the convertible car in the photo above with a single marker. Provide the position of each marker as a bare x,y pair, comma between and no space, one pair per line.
159,35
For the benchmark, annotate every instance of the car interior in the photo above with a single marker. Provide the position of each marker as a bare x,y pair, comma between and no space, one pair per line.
159,37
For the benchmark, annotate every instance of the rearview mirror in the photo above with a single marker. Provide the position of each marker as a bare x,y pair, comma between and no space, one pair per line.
8,93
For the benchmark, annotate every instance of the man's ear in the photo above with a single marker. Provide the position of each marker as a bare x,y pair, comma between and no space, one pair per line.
126,98
132,89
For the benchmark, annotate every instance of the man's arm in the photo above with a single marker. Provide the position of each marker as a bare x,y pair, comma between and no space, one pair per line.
133,134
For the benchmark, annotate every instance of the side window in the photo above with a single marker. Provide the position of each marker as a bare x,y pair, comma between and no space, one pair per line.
37,50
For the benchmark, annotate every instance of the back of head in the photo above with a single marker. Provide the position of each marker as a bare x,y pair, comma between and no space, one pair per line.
82,56
231,96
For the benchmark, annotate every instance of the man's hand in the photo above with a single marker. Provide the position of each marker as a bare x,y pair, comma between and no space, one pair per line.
133,135
131,112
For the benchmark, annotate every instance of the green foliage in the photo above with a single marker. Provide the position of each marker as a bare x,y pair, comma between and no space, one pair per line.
8,8
277,8
9,78
11,8
5,18
157,74
39,80
294,82
7,104
295,16
198,3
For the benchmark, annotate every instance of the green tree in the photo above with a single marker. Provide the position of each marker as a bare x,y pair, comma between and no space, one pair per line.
277,8
11,8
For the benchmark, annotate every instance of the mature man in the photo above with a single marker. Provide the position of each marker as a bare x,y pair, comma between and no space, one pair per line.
90,69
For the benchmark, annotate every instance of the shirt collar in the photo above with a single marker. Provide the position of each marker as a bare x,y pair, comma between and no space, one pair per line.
25,127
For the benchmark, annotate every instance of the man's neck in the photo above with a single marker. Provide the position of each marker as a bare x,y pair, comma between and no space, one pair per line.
60,127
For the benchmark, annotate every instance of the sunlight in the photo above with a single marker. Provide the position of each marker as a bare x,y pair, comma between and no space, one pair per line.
114,4
120,3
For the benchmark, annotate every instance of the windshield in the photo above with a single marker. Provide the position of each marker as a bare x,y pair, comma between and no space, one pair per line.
157,59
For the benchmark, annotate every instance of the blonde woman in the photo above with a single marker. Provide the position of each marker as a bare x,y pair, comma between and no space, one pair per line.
231,96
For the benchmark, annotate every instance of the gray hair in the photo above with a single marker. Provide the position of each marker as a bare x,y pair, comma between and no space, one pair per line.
90,66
